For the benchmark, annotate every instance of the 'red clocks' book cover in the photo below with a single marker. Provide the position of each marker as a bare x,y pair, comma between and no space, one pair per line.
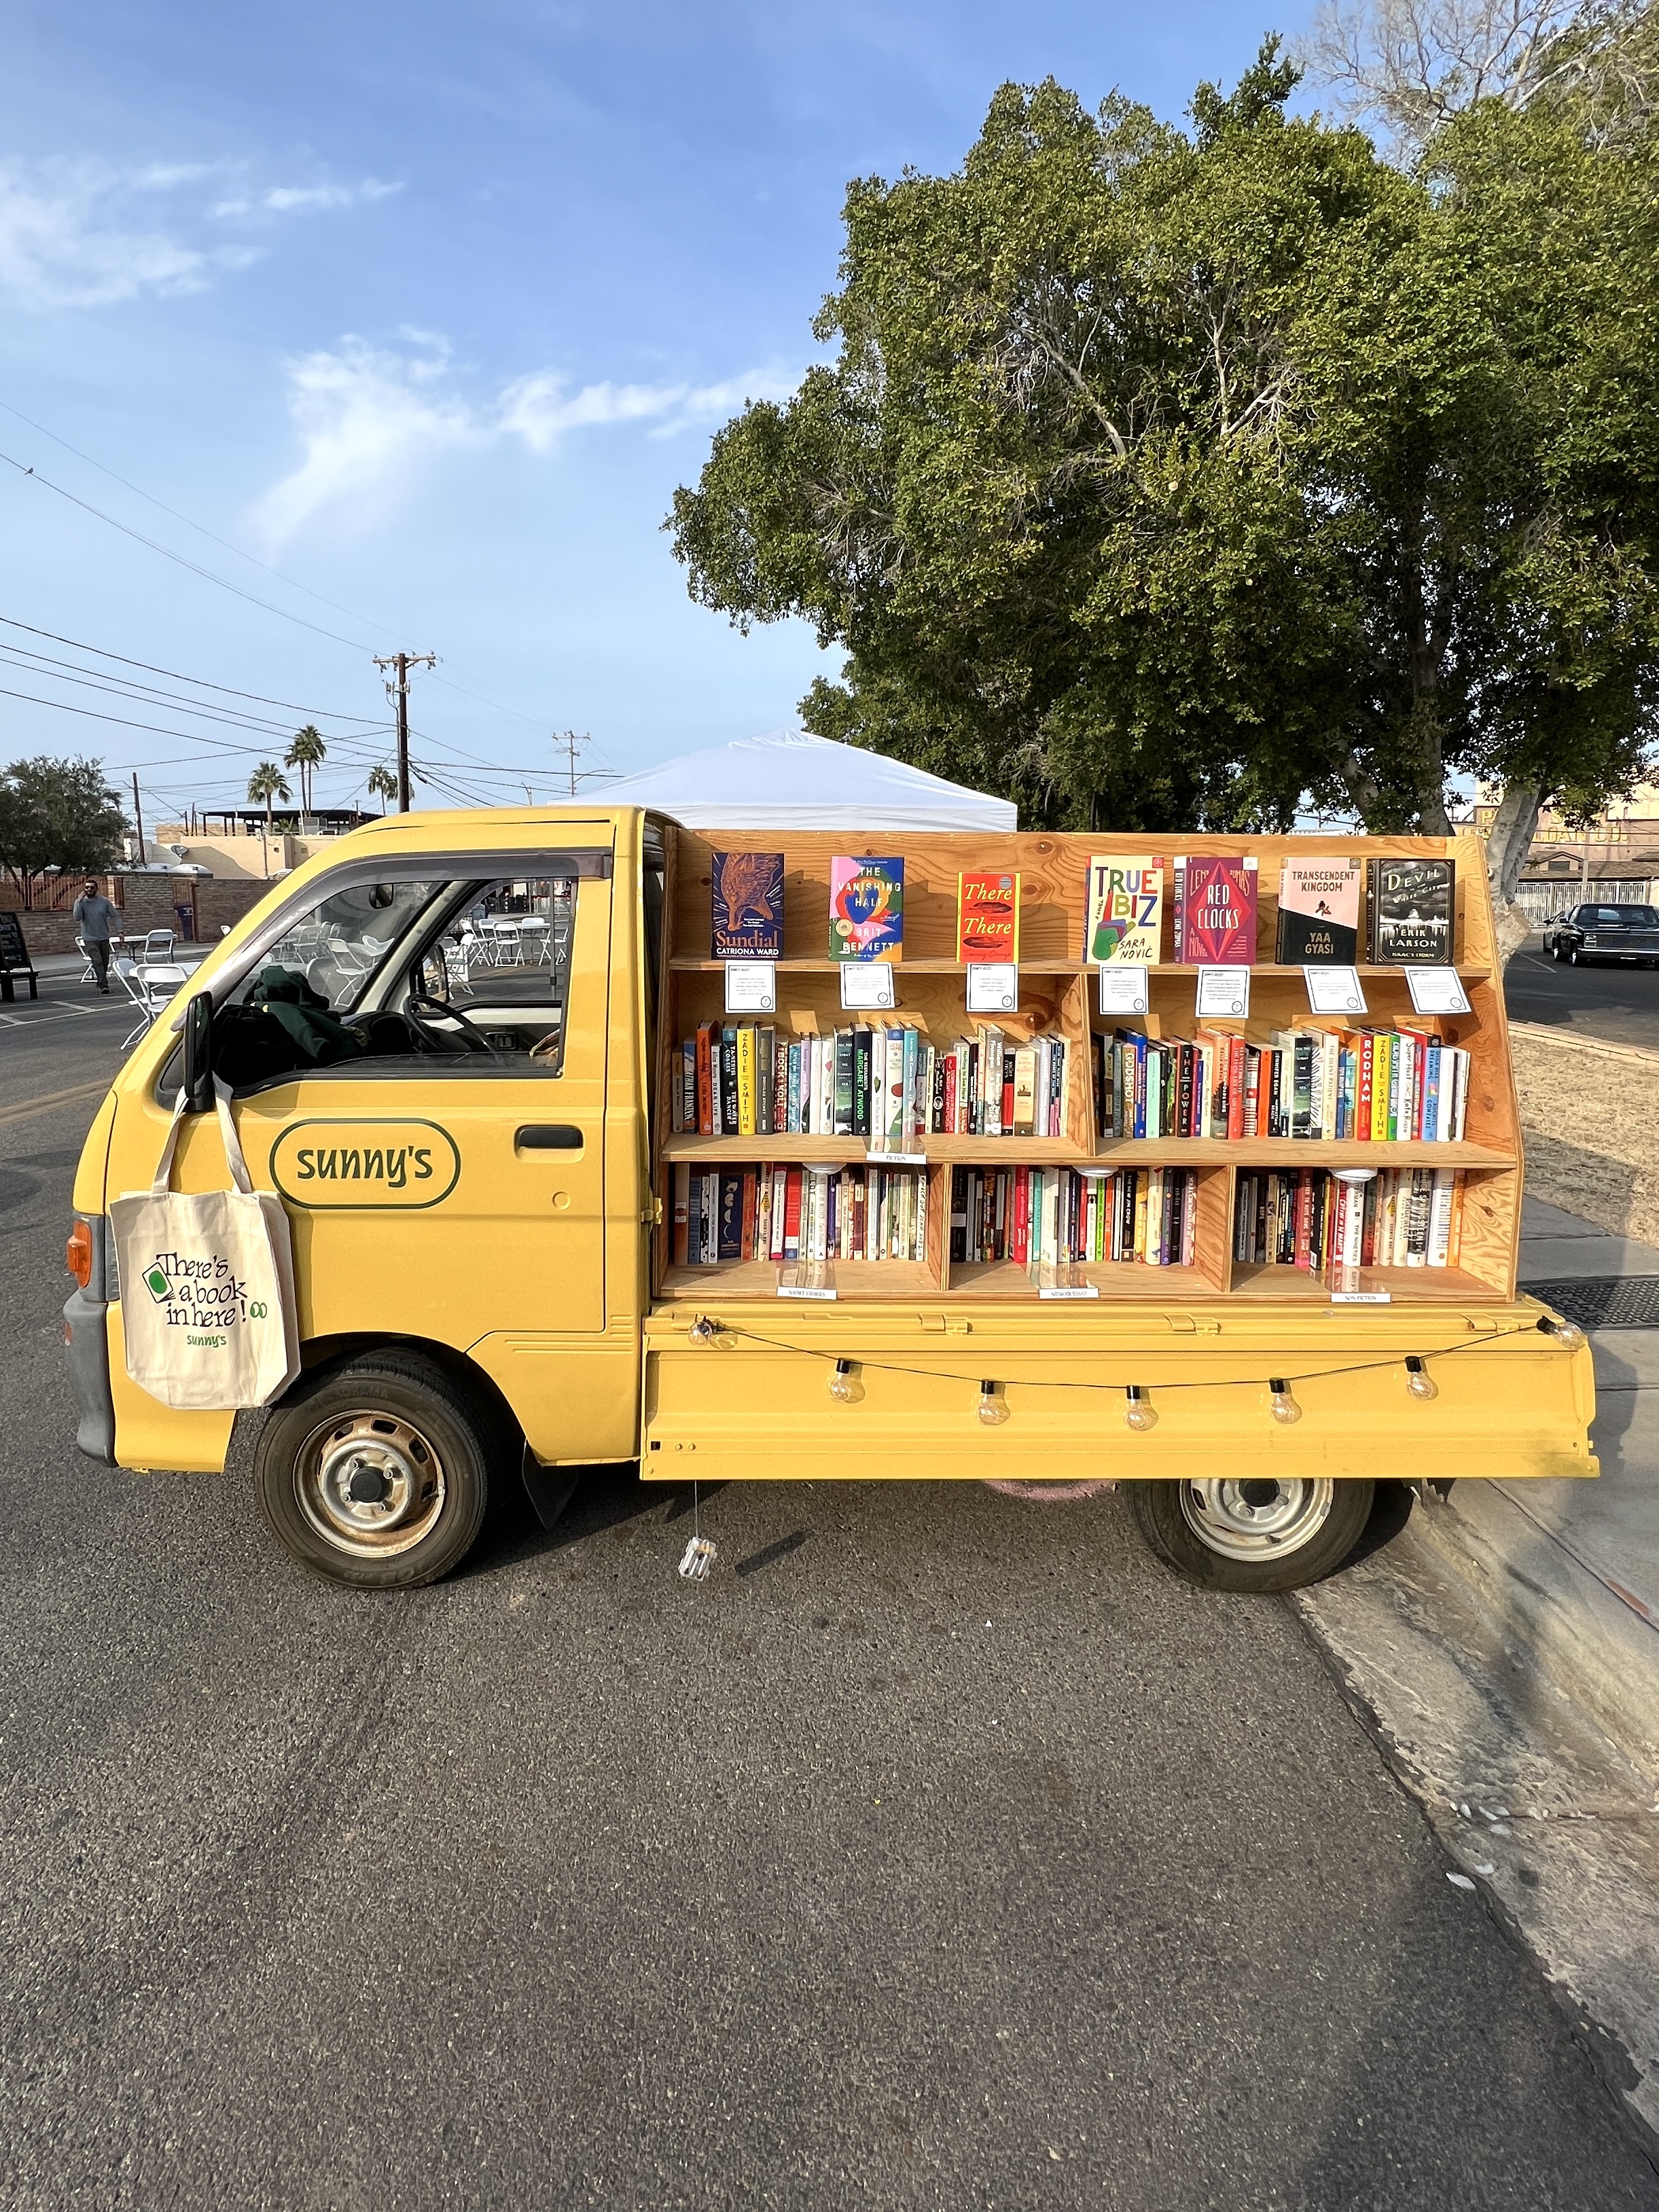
1218,911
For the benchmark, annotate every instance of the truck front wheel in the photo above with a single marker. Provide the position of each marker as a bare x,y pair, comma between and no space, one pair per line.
1258,1534
375,1473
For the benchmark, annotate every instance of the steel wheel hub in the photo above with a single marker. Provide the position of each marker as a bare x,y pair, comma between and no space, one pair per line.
1256,1518
370,1483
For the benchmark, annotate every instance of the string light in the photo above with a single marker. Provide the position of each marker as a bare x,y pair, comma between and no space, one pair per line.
845,1387
1418,1381
704,1331
1139,1412
993,1408
1285,1407
1567,1333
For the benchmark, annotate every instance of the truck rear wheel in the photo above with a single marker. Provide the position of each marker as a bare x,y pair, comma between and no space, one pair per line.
1259,1535
375,1473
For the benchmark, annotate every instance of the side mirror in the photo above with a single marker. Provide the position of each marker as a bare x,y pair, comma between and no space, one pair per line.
199,1054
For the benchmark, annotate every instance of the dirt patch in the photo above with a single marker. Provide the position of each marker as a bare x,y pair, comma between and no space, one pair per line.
1588,1117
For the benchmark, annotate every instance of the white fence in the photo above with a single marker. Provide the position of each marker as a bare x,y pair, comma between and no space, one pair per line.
1541,901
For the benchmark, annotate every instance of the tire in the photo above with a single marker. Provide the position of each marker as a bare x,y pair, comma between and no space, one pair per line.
1303,1532
1573,957
1556,953
391,1419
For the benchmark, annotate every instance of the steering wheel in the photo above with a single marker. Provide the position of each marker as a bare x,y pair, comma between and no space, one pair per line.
422,1009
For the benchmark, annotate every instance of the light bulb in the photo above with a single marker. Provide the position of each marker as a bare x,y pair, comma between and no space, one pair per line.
993,1409
1139,1412
1285,1407
704,1331
844,1384
1420,1382
1567,1333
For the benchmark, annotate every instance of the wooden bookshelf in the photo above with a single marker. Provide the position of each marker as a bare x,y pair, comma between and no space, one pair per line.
1058,997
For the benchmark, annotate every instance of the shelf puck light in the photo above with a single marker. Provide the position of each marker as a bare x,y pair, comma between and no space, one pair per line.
1418,1381
1283,1403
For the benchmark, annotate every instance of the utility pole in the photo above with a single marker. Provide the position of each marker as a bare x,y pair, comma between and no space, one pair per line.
571,743
398,692
138,817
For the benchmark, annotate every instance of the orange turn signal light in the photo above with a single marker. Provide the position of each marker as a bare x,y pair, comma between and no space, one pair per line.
77,1253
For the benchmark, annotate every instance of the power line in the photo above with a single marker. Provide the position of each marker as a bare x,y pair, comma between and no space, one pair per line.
143,694
201,683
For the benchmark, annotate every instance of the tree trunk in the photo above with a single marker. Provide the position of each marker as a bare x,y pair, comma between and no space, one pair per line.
1508,843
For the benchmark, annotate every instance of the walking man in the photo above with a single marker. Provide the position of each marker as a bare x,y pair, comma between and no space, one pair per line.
93,915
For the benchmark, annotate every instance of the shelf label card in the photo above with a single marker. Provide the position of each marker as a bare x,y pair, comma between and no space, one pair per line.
1224,992
867,986
993,988
1122,990
1361,1298
1436,991
1335,990
1068,1291
751,986
803,1291
896,1159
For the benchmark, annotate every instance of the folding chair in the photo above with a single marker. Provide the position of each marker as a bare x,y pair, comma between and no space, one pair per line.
88,974
151,988
158,944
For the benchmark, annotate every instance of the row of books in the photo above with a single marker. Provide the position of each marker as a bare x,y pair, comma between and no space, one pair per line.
788,1214
1410,907
1377,1085
1309,1217
886,1085
1046,1216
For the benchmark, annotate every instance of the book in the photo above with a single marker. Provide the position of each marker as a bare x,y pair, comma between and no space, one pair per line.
867,908
1409,910
1215,912
748,905
988,918
1319,914
1125,911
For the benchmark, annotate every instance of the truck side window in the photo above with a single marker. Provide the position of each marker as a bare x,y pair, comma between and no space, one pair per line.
503,960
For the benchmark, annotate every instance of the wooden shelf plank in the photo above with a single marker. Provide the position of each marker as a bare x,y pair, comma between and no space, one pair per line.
1294,1152
681,966
1006,1152
862,1279
1006,1278
1405,1285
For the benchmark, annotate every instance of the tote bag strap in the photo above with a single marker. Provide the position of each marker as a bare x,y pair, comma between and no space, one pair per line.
239,1174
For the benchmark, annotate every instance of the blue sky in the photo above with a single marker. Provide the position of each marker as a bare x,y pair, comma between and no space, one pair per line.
430,308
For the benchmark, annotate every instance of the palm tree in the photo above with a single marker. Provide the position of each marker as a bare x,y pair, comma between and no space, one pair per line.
382,785
306,753
267,782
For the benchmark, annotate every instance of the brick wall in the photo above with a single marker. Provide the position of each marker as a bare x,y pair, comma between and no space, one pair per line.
149,902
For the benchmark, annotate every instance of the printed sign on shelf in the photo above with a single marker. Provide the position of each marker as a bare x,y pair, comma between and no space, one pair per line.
1224,992
1438,991
867,986
993,988
1335,990
1123,990
751,986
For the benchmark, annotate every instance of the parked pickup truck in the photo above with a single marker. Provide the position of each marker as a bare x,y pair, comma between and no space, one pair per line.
565,1189
1594,932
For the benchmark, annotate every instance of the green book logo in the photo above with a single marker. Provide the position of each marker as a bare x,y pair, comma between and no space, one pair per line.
155,1281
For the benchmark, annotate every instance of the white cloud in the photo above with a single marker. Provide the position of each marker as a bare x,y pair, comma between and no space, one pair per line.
85,233
366,416
362,415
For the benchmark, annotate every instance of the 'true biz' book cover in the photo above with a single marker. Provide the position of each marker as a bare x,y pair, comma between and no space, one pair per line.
1126,910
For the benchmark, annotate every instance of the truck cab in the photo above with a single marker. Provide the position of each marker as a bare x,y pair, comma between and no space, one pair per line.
452,1047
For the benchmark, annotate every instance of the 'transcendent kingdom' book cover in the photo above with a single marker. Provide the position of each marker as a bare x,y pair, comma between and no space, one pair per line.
748,899
1217,911
987,919
867,908
1126,910
1319,912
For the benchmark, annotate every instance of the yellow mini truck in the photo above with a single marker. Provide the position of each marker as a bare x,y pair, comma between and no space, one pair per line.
569,1185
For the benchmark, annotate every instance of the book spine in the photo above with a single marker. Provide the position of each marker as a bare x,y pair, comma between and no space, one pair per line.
681,1212
748,1089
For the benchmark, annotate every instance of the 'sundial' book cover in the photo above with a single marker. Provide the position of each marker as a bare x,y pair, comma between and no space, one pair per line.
748,897
867,908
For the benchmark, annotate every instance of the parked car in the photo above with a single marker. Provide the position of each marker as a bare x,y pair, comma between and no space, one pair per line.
1606,932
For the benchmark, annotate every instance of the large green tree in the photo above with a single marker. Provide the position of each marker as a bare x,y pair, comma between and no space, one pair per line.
58,814
1174,478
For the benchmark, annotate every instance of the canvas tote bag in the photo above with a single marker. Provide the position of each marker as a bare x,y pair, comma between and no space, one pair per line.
207,1284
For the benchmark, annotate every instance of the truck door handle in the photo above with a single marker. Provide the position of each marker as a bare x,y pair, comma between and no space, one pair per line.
548,1137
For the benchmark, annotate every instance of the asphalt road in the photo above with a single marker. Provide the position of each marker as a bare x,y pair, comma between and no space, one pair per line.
940,1851
1620,1005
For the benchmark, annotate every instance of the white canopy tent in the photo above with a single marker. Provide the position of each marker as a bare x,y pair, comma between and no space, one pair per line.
791,780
